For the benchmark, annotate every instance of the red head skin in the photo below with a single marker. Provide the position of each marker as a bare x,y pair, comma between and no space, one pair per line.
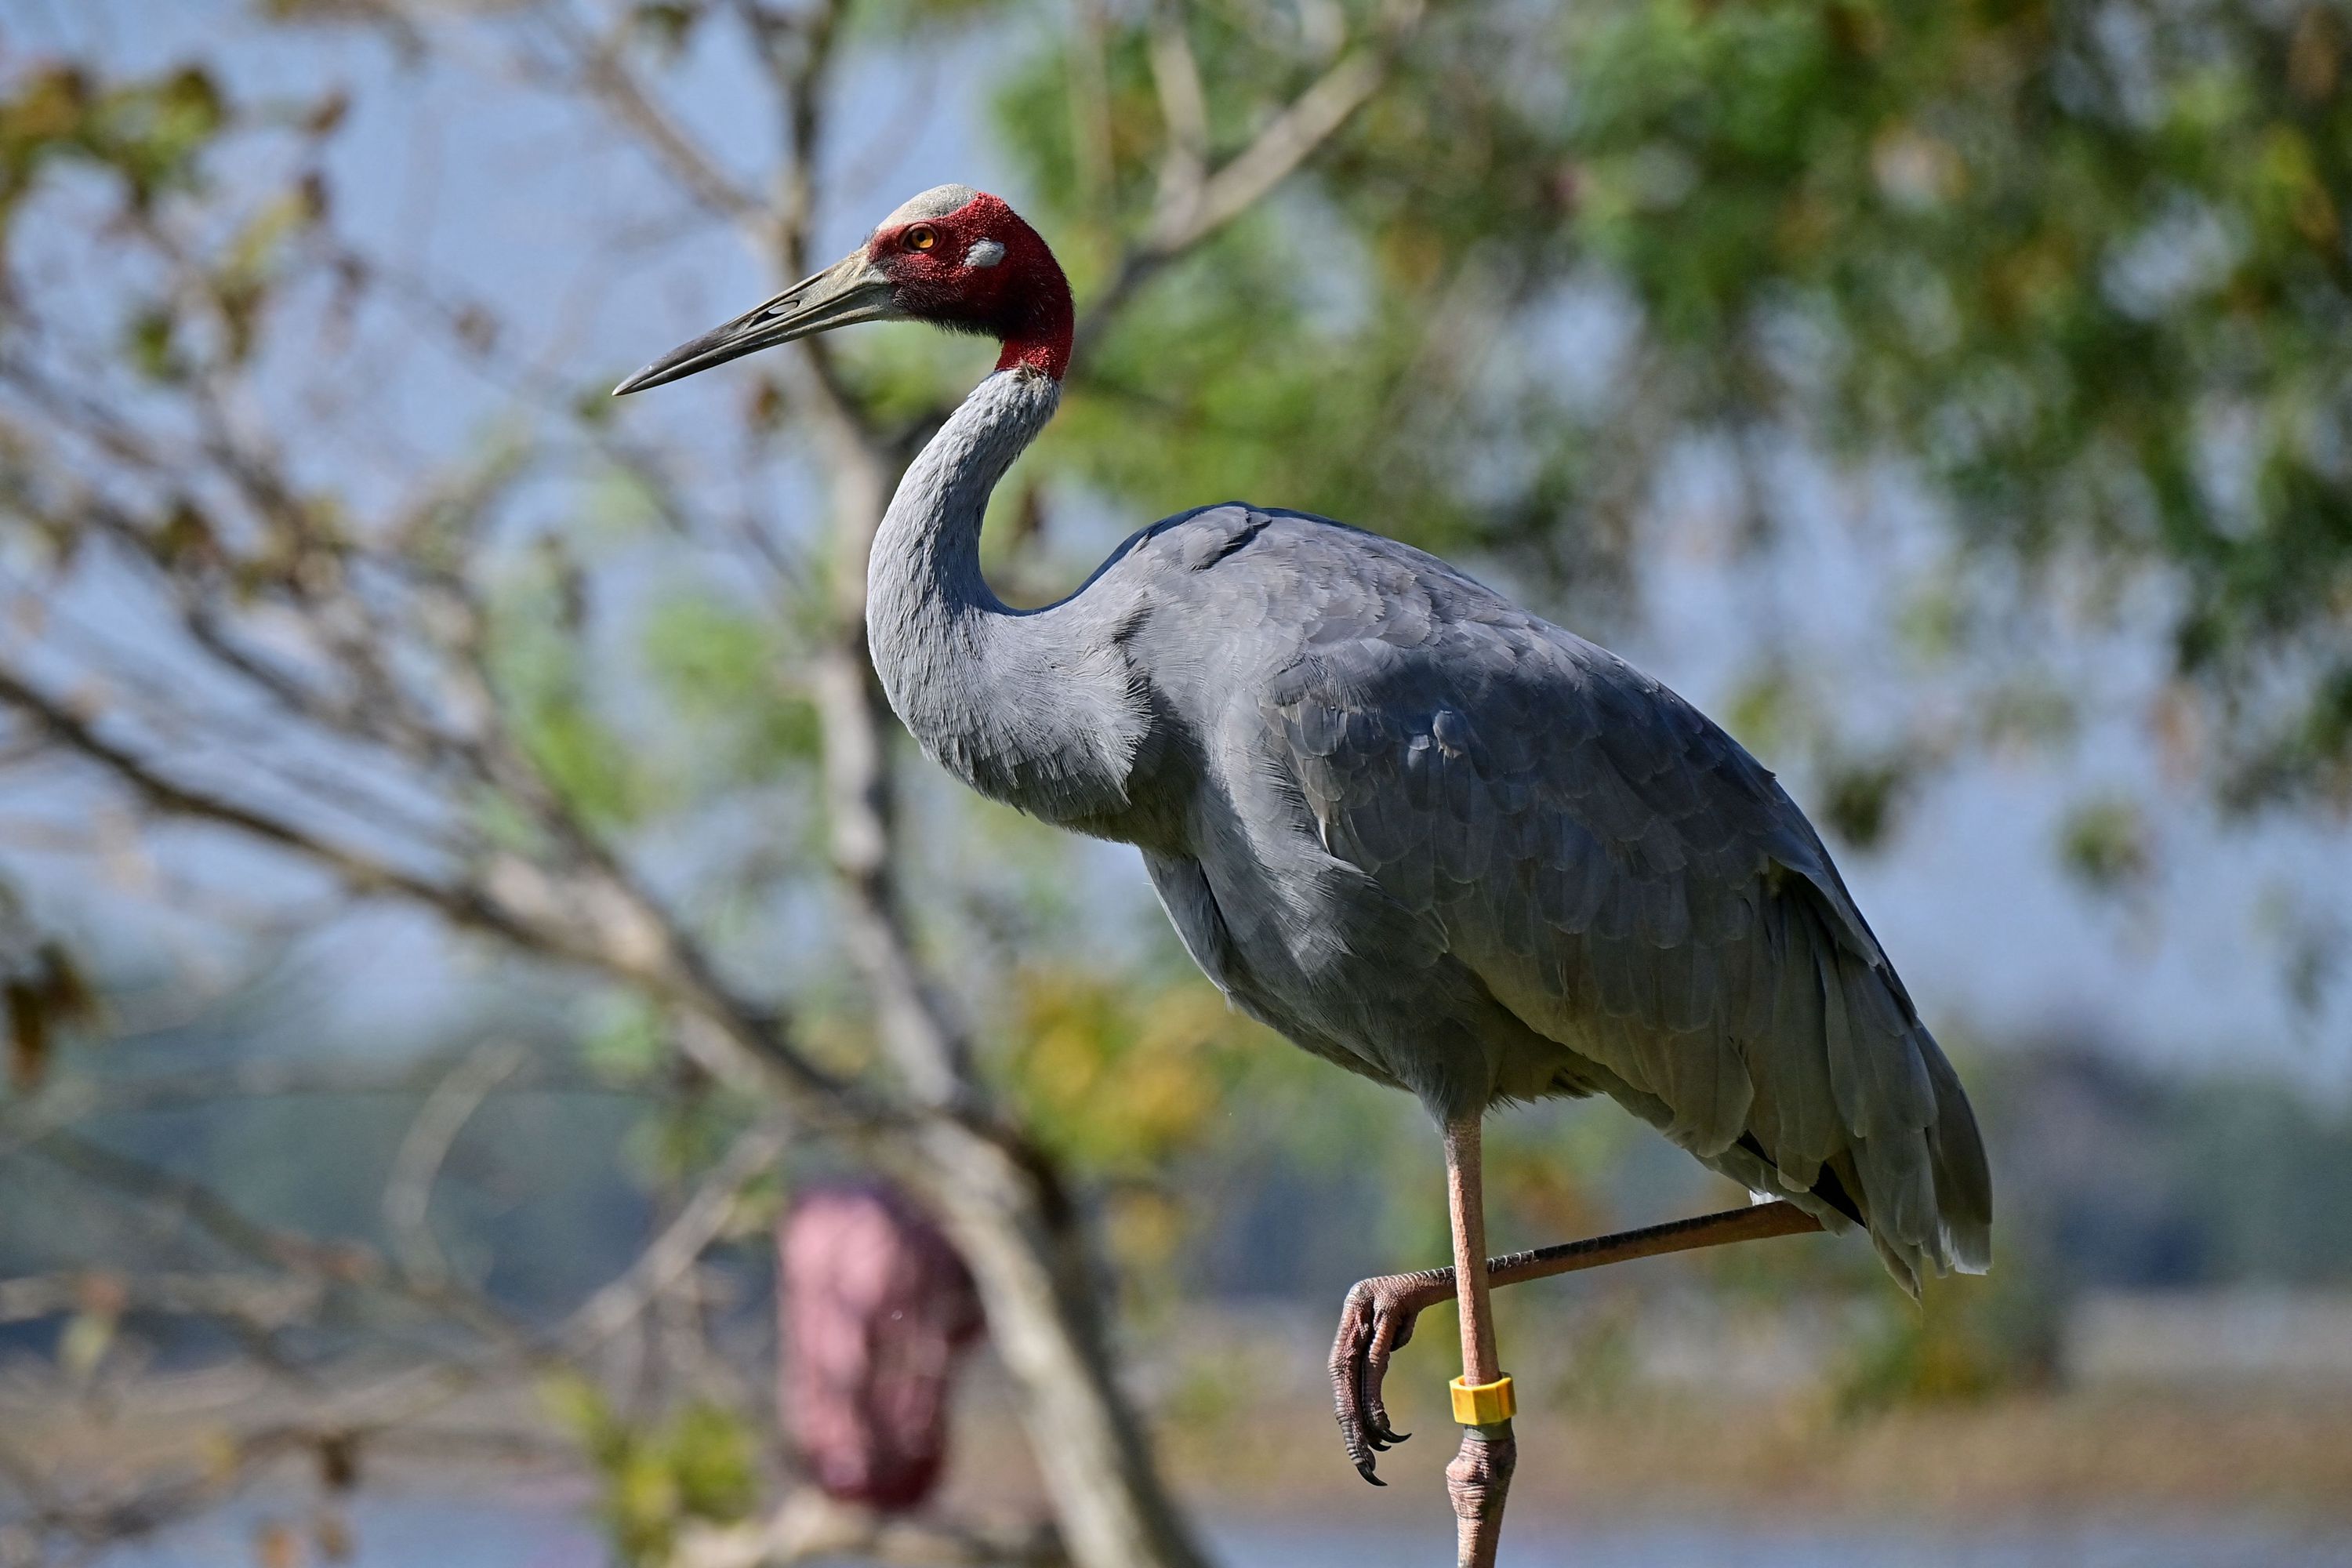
1023,301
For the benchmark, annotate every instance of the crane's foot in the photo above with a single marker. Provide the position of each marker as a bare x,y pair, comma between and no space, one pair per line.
1375,1321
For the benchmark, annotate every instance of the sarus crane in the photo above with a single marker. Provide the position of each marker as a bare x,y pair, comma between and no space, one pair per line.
1426,834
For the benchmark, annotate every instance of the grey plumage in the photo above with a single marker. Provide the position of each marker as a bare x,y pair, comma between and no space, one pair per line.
1435,838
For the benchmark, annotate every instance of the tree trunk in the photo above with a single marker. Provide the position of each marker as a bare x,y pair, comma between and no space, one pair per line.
1037,1284
998,1199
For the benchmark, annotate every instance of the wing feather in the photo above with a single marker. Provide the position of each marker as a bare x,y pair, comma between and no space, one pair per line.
1636,887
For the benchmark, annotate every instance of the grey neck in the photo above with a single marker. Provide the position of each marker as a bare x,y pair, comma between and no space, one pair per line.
1033,708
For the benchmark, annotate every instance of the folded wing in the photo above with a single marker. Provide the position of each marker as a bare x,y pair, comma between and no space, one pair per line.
1633,885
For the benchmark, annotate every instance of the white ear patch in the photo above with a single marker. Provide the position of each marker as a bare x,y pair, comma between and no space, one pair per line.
984,253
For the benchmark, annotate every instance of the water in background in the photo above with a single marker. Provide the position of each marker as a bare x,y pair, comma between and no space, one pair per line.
1725,1545
436,1533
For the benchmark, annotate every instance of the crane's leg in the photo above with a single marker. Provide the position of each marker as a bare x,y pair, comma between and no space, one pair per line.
1479,1478
1379,1315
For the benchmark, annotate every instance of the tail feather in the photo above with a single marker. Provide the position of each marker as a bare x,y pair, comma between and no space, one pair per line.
1956,1153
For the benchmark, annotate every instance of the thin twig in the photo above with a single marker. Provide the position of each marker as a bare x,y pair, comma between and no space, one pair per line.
1184,105
270,1301
609,83
463,904
700,1221
409,1192
1246,178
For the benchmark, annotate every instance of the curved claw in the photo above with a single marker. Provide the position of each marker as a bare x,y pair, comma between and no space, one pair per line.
1375,1321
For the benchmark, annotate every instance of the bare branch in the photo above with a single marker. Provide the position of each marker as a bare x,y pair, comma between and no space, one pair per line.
1240,183
701,1221
1090,127
609,82
219,1218
797,48
925,1042
408,1193
463,905
1185,104
607,922
261,1079
270,1301
313,1266
1288,141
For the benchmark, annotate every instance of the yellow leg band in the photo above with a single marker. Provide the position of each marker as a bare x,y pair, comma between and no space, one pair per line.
1482,1404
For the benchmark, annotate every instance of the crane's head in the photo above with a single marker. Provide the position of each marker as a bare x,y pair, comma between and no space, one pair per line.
957,258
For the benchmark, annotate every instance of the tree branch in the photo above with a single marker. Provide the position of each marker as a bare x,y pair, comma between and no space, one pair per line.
290,1250
463,905
268,1300
610,84
1289,139
1184,104
608,924
700,1221
408,1193
798,75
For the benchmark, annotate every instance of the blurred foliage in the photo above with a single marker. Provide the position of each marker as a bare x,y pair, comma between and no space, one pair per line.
1548,1171
1860,797
2080,268
1122,1082
44,994
1119,1081
722,666
2104,844
699,1464
1218,1152
1969,1339
1332,351
151,132
541,672
1916,1359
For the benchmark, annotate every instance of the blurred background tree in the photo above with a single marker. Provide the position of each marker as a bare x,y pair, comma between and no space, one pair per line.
2075,273
376,685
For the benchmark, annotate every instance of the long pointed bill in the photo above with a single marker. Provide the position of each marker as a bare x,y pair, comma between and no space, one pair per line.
852,289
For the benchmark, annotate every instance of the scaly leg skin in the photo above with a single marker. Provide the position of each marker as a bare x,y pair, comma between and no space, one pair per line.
1479,1478
1378,1318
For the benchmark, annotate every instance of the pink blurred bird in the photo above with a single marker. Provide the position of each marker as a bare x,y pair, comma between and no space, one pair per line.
875,1310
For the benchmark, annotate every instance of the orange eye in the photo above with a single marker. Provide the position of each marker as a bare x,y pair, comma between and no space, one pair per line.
922,236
